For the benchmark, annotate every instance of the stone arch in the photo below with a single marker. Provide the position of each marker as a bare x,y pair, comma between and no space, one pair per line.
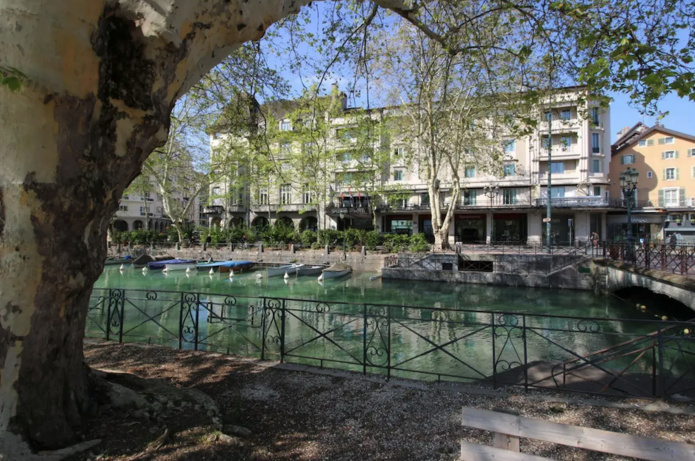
259,221
137,225
309,223
286,220
236,221
120,225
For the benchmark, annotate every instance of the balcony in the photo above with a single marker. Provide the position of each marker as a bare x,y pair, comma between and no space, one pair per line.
236,209
213,210
575,202
559,126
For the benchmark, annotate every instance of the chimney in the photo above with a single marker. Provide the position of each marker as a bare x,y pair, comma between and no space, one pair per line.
622,132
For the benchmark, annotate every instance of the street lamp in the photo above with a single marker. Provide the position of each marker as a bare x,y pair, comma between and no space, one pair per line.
628,184
341,212
491,192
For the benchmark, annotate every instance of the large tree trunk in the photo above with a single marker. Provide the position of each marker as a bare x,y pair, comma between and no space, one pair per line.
102,79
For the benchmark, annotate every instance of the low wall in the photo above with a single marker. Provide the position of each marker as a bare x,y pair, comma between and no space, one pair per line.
360,263
546,271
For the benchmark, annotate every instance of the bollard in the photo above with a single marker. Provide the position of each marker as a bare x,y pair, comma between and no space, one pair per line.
327,250
364,250
260,248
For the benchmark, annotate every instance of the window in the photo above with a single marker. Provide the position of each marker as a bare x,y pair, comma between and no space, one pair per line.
398,152
470,197
650,142
398,175
595,143
670,173
285,125
469,172
263,196
510,169
557,192
692,172
597,191
595,116
565,142
642,142
595,165
691,152
285,147
306,195
123,208
510,146
557,167
284,166
365,158
286,194
627,159
548,116
344,157
509,196
670,197
565,114
143,211
669,154
666,140
547,142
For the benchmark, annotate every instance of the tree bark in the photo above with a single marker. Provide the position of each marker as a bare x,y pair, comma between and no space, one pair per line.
102,79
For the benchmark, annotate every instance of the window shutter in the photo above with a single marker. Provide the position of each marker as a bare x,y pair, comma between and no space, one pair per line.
676,154
681,197
622,160
663,174
678,173
661,198
663,155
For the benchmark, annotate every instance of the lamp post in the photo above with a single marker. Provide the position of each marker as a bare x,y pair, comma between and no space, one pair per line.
491,192
341,212
628,184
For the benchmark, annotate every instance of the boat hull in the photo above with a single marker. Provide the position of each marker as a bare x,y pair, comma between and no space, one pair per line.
290,269
335,274
310,270
179,267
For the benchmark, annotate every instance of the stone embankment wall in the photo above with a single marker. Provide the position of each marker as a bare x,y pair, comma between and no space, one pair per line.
370,262
546,271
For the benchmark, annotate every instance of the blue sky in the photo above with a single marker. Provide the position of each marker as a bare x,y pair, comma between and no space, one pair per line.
681,114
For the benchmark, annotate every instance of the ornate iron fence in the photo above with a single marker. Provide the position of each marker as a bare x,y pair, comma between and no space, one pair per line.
679,259
590,355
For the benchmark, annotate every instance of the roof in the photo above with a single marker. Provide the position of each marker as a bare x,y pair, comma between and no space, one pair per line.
631,138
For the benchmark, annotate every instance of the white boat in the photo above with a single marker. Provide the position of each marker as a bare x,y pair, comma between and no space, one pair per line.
310,270
180,267
336,270
289,269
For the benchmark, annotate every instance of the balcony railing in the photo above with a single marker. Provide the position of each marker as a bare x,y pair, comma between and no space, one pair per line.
213,209
575,202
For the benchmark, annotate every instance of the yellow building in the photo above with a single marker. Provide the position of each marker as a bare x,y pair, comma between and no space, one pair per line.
665,197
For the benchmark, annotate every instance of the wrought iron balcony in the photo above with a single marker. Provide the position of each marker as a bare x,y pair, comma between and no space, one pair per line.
213,210
575,202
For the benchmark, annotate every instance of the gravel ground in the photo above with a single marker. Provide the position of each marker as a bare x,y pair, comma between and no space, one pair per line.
307,414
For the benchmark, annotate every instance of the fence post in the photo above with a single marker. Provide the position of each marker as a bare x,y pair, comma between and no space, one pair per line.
523,335
494,358
388,342
197,317
364,340
181,321
263,330
660,345
282,330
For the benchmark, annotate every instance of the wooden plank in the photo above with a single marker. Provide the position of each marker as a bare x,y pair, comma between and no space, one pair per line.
580,437
474,452
506,442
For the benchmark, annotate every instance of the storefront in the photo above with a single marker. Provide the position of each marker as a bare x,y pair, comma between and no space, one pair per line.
470,228
509,227
561,229
644,226
399,224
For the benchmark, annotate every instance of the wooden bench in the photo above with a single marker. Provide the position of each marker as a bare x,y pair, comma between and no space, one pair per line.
508,428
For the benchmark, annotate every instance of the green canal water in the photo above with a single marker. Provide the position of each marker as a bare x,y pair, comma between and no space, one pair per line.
451,331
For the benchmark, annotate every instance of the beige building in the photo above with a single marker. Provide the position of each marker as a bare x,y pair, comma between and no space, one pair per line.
508,207
665,196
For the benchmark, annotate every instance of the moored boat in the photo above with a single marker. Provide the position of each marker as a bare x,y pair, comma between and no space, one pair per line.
226,266
161,264
310,270
335,271
180,266
289,269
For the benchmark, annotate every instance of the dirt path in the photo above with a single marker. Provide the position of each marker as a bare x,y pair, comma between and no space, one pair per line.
294,414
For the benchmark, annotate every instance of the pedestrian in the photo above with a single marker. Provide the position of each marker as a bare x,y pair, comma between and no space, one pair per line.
594,238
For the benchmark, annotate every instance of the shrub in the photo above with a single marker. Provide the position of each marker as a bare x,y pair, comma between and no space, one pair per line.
418,243
372,240
330,237
308,238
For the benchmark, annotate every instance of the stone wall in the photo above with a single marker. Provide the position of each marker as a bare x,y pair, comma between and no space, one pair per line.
546,271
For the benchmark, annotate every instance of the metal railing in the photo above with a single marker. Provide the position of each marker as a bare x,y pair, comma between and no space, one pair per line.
678,259
595,355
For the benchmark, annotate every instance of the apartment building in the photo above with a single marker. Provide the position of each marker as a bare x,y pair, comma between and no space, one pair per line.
664,202
570,147
145,211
